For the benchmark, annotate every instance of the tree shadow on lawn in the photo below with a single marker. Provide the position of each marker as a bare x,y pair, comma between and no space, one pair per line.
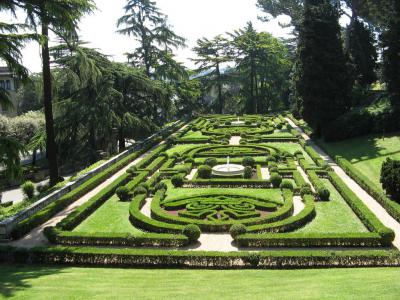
361,148
14,278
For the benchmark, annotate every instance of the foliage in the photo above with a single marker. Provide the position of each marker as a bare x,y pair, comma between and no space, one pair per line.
275,180
390,178
28,188
286,184
205,171
211,161
248,172
321,77
237,229
177,180
248,161
123,193
192,231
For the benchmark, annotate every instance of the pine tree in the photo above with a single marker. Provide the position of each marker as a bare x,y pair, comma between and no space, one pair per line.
321,78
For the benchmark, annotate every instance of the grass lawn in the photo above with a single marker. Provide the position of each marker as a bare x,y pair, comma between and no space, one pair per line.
367,153
104,283
333,216
269,194
182,148
291,148
112,216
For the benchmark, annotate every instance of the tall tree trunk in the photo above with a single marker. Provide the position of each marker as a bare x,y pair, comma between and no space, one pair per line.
51,145
121,140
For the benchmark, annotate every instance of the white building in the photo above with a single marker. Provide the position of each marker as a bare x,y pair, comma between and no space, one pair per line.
7,82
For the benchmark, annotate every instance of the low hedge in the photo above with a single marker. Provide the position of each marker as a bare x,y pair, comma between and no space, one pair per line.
115,239
125,257
392,207
361,210
310,240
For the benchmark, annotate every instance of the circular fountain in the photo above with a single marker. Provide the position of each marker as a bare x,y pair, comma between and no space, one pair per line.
238,122
228,169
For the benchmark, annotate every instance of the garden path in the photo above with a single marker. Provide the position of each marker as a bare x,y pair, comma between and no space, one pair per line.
235,140
369,201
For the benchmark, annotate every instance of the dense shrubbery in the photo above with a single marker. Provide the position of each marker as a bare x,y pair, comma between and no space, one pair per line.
177,180
323,193
275,180
306,190
28,188
390,178
123,193
205,172
212,162
192,232
237,229
286,184
248,161
248,172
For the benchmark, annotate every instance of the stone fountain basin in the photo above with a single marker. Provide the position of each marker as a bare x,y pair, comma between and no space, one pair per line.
238,123
228,170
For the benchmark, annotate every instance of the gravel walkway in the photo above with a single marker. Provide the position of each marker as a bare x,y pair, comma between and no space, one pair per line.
369,201
235,140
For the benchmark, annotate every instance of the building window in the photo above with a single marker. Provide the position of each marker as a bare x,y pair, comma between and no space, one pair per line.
8,85
2,86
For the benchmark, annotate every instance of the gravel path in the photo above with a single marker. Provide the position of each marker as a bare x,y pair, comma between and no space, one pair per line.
369,201
265,175
298,205
235,140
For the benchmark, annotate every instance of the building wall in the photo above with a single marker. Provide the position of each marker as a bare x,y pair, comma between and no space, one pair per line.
8,83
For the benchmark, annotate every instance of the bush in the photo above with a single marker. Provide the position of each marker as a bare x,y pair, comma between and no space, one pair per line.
253,259
390,178
248,172
205,172
247,122
189,160
275,180
305,190
140,190
273,169
248,161
228,123
131,170
212,162
160,186
323,193
286,184
123,193
177,180
271,159
298,152
237,229
28,188
192,232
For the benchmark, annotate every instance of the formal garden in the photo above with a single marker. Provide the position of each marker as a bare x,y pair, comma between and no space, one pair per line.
220,191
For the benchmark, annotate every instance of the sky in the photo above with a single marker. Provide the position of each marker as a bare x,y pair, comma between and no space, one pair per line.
192,19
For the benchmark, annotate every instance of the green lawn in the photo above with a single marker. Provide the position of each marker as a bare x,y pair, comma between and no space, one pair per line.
112,216
333,216
182,148
101,283
367,153
291,148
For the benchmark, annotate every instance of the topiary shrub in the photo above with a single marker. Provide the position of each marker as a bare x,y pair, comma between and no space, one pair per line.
390,178
275,180
248,172
253,259
189,160
131,170
28,189
237,229
323,194
205,172
140,190
248,161
192,232
286,184
123,193
177,180
270,159
211,161
175,156
306,189
279,126
247,122
273,169
160,186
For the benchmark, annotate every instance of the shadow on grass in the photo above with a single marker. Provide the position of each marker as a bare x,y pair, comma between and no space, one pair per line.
15,278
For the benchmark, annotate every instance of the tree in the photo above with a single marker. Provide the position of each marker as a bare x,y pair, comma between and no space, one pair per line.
61,17
144,21
212,55
188,94
321,78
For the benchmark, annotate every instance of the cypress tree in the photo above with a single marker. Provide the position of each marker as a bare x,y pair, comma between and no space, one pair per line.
321,78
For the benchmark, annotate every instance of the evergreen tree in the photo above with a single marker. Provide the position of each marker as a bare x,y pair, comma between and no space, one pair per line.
321,78
362,53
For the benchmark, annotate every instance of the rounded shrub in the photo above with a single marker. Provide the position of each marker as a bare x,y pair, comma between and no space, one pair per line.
248,172
286,184
253,259
306,189
192,232
323,193
177,180
160,186
205,172
140,190
279,126
248,161
211,161
275,180
28,189
123,193
237,229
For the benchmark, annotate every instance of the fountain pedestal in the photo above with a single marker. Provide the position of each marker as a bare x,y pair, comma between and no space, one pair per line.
228,170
